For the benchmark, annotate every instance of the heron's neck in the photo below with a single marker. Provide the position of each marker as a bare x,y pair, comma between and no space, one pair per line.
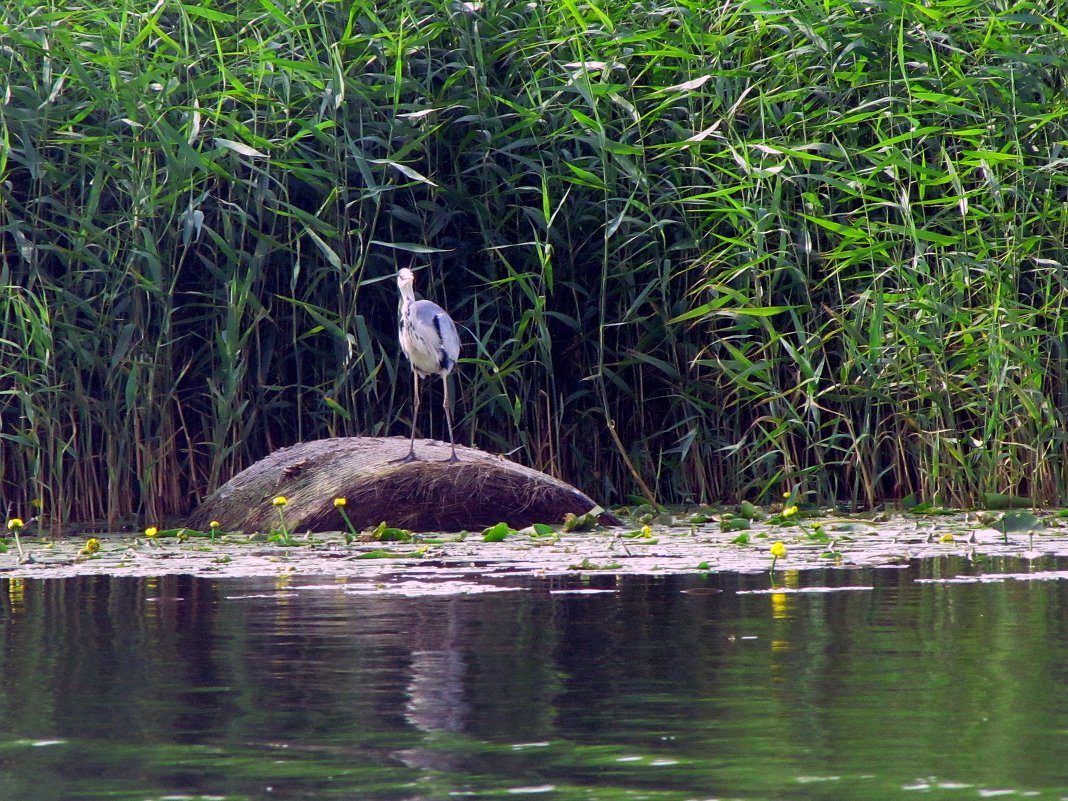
407,298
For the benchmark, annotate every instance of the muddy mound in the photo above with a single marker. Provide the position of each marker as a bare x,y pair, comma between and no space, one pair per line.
428,495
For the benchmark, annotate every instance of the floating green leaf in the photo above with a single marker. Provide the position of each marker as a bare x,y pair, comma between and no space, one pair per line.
584,522
497,533
384,533
997,501
1017,521
734,524
586,564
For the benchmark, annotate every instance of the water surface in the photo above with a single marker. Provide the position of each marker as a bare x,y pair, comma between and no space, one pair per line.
602,687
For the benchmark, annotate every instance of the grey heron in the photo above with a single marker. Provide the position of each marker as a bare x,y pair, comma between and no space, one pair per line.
428,338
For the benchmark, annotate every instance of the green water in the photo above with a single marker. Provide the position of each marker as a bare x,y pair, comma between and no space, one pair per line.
661,688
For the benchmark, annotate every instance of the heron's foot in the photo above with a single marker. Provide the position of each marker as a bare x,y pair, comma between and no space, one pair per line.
451,459
411,457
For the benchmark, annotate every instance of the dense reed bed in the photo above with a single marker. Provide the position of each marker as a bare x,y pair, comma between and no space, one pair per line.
703,251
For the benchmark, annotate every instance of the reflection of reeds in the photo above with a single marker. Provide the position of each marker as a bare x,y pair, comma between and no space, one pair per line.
821,246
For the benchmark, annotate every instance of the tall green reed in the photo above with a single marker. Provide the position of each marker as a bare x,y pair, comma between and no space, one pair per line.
696,252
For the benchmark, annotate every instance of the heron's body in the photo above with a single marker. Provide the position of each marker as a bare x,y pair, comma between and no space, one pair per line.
429,339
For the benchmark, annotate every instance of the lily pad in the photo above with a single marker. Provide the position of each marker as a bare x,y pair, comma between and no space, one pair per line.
1016,521
998,501
497,533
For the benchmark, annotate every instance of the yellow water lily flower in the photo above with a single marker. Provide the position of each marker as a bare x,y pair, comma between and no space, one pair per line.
339,502
280,500
92,545
151,531
214,525
14,524
778,549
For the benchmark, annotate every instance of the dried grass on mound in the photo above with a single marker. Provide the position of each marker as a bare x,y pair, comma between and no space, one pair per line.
427,495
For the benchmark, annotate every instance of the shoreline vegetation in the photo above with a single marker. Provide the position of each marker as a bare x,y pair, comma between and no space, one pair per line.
955,547
718,250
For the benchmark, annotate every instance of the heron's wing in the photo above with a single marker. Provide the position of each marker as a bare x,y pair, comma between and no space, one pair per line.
429,316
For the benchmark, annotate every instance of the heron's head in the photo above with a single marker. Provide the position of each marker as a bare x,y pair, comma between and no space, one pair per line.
405,279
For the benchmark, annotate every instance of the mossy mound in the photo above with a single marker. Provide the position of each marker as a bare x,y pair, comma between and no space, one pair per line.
426,495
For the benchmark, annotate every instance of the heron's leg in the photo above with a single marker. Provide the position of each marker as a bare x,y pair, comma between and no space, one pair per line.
411,457
415,413
448,418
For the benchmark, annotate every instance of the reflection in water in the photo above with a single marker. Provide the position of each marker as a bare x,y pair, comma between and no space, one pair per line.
435,689
16,595
678,687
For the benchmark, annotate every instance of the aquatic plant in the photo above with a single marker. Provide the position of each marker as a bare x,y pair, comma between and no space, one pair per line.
339,504
497,533
584,522
386,533
14,525
1018,521
279,502
778,551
